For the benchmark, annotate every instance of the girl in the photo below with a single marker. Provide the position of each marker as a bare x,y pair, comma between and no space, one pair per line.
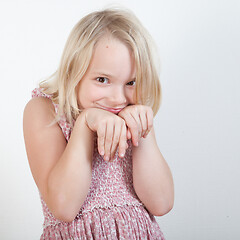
90,139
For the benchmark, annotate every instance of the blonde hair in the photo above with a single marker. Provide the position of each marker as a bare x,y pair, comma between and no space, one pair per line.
120,24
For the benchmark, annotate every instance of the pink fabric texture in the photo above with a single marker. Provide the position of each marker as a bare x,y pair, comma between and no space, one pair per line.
112,209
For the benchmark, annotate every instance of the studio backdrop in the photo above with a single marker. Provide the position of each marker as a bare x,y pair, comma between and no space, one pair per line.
197,126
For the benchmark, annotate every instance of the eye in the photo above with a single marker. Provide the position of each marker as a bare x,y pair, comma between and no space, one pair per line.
132,83
102,80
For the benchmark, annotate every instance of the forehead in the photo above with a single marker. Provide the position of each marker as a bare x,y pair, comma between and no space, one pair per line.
113,57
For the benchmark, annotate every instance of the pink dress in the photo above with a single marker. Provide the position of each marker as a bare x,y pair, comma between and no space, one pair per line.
111,210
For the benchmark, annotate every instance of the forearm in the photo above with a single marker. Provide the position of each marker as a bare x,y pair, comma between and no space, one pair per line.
70,179
152,177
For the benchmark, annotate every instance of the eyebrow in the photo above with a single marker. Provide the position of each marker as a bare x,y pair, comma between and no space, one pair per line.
109,75
103,74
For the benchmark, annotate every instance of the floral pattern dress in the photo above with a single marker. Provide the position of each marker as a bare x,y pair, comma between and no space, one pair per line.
111,210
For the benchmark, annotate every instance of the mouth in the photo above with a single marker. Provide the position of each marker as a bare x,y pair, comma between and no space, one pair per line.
112,110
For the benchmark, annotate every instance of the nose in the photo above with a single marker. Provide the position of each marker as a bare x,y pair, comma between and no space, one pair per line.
118,97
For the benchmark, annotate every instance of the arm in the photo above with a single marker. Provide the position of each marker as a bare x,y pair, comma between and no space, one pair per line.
152,177
61,171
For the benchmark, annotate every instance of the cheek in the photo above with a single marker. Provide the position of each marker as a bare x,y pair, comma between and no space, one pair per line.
86,93
131,97
96,93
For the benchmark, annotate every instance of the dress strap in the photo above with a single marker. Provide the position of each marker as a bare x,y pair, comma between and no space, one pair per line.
64,125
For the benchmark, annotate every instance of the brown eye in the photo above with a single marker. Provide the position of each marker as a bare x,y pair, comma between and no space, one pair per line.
102,80
132,83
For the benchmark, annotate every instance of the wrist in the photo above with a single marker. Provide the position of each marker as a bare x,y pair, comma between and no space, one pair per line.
82,123
82,118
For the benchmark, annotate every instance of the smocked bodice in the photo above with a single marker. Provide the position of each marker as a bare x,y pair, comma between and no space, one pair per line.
111,183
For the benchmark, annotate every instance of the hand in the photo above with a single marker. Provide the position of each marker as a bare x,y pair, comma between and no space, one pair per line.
139,120
111,131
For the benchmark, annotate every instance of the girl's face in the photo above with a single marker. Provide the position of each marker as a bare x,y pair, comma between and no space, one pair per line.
109,82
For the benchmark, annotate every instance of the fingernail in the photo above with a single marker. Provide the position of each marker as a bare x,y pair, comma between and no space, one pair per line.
136,144
107,158
102,153
122,155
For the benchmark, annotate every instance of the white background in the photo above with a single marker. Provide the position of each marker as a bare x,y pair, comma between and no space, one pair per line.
197,125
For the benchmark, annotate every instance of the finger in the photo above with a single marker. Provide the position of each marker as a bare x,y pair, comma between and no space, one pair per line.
108,141
144,122
101,139
133,123
123,141
135,127
129,136
149,115
115,141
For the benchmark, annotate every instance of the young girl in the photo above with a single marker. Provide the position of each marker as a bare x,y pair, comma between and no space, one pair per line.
90,139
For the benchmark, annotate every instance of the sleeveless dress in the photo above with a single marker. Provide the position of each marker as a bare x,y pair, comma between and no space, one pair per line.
111,209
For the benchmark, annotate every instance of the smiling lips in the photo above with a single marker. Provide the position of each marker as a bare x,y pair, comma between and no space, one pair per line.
112,110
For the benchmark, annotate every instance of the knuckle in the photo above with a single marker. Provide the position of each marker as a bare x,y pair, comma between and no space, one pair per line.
122,121
123,127
119,121
144,128
134,127
136,108
110,120
103,121
150,125
150,110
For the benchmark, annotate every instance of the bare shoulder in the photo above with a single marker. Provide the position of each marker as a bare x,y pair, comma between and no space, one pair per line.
39,109
44,143
38,114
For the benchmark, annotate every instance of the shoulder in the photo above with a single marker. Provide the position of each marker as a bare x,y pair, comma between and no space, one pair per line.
39,104
39,109
38,119
44,139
